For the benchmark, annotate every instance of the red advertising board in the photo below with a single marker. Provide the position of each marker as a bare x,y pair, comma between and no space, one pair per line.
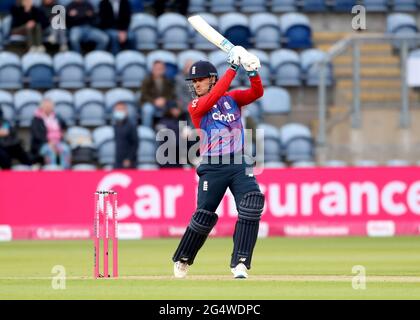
159,203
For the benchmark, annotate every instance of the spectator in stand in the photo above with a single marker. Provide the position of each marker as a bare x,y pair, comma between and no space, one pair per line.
170,121
179,6
115,18
81,19
157,93
126,138
55,36
29,21
47,132
10,145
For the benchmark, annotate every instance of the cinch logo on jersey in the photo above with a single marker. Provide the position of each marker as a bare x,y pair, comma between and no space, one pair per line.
218,116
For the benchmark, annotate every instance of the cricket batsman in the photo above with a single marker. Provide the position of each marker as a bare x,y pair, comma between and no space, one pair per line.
214,109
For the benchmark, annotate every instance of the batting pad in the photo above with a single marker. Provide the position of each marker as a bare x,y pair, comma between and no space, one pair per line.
194,237
246,229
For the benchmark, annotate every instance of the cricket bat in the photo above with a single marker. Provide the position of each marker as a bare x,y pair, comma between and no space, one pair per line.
208,32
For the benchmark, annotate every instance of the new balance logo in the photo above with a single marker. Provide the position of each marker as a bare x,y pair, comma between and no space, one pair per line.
223,117
227,105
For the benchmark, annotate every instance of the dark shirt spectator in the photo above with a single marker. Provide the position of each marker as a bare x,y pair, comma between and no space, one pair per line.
126,138
179,6
114,19
81,20
29,21
157,93
10,145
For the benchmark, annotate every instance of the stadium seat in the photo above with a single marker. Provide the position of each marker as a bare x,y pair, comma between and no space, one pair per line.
173,31
5,6
310,69
166,56
10,71
272,145
70,70
146,153
314,6
265,31
147,166
365,163
275,101
406,5
303,164
7,106
21,167
137,6
397,163
197,6
64,106
235,27
103,138
283,6
84,167
254,110
274,165
143,31
79,136
402,24
7,37
193,55
198,41
1,36
222,6
131,68
100,68
335,164
113,96
376,5
343,5
297,142
296,31
26,101
286,67
265,70
38,69
90,107
218,59
252,6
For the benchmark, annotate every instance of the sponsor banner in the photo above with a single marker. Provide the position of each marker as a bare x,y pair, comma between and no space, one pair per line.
159,203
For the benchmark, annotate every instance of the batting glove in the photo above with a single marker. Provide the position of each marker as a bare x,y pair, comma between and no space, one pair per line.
234,56
251,63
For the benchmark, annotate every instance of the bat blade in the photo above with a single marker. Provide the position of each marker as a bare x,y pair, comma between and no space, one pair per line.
208,32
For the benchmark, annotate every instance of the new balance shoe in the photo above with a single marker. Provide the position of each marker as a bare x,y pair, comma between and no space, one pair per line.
240,271
180,269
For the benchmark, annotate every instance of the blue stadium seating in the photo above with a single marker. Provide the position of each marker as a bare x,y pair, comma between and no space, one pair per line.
103,138
100,68
235,27
376,5
286,67
143,31
272,145
146,153
197,6
5,6
38,68
314,6
64,104
79,136
265,31
296,30
402,24
344,5
309,59
70,70
198,41
406,5
193,55
283,6
173,31
11,76
26,102
7,106
131,68
90,107
275,101
297,142
265,70
252,6
222,6
137,6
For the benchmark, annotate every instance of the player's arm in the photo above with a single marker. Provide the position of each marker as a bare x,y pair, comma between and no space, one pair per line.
251,64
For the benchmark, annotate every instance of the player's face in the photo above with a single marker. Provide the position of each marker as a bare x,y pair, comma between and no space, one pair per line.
201,86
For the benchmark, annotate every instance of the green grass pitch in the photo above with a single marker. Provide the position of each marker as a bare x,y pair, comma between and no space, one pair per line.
283,268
